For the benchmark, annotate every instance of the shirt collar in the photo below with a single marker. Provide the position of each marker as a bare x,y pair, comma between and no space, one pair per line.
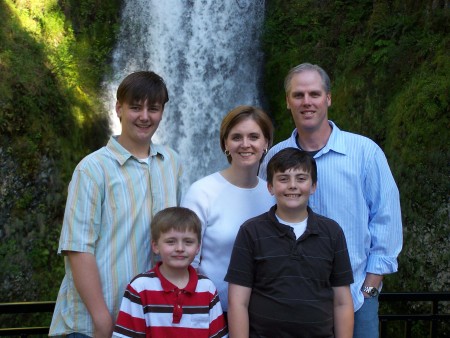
167,286
311,226
122,155
335,142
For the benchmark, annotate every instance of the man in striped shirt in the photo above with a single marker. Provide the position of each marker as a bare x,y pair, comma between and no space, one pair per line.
172,300
113,195
356,189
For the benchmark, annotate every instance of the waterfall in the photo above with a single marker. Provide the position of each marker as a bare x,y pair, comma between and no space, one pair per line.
209,54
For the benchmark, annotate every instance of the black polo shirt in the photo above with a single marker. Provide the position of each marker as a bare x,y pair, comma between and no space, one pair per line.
291,279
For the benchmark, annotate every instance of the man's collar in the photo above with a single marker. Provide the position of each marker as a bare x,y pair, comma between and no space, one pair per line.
122,155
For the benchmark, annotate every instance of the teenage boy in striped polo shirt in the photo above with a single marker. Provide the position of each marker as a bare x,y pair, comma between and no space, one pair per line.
172,300
112,197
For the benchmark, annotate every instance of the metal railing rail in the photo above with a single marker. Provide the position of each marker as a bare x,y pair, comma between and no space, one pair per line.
25,307
434,317
409,319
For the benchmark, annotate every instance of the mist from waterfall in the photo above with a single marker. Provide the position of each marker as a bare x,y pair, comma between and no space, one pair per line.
209,54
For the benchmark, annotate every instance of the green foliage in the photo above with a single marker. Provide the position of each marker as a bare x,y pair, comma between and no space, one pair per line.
389,65
52,61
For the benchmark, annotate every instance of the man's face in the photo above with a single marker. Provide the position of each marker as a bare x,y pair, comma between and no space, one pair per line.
139,121
308,101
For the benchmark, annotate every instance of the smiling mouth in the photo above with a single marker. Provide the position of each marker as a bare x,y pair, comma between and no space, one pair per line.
246,154
292,195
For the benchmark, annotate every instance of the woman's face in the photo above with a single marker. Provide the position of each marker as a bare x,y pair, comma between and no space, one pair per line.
246,143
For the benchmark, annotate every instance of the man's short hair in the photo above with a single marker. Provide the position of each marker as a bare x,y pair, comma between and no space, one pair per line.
303,67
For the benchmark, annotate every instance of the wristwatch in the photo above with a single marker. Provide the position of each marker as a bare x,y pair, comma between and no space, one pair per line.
370,290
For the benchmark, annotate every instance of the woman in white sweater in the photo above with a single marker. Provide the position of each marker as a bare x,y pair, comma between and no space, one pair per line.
226,199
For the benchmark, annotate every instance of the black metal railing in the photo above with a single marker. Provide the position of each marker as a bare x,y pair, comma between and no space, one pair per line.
434,317
25,307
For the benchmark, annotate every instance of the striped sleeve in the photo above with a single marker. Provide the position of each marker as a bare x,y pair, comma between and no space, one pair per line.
131,320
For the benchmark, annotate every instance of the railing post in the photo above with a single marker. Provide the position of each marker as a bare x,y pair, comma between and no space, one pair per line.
383,328
408,330
433,322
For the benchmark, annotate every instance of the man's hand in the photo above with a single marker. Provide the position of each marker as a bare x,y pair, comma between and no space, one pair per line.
372,280
103,325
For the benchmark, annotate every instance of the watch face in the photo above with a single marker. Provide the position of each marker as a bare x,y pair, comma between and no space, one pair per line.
373,292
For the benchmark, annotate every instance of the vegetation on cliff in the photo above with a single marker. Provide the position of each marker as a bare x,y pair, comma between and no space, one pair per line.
53,55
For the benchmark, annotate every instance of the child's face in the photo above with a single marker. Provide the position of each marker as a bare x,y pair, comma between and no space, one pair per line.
291,189
177,248
139,121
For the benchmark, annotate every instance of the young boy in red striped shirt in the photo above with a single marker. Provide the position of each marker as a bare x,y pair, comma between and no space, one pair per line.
172,300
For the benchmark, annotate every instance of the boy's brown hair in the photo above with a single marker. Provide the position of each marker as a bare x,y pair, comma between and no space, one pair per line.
291,158
176,218
143,86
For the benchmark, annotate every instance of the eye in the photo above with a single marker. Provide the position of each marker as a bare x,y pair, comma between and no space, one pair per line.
254,137
155,109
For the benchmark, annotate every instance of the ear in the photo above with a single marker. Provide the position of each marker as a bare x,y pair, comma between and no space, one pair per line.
313,188
198,249
155,248
118,109
287,103
270,188
329,99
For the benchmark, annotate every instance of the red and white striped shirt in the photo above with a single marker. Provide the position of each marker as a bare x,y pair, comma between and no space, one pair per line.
154,307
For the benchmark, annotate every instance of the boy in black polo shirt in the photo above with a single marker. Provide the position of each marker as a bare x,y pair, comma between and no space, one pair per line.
290,272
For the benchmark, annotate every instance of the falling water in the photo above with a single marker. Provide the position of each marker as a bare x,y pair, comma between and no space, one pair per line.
209,54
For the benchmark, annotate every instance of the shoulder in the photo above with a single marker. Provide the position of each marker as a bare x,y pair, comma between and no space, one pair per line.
353,141
95,166
205,284
204,279
210,184
146,280
358,139
94,159
257,224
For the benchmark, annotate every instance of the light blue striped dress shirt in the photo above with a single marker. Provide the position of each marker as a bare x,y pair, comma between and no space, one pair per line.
355,187
112,199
